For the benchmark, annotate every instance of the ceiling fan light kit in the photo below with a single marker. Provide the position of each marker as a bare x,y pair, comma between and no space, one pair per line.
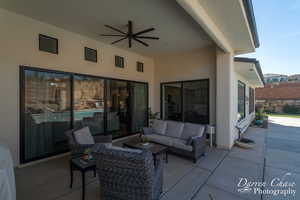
138,37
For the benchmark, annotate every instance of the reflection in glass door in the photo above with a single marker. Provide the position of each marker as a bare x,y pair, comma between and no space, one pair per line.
117,108
53,102
172,101
186,101
195,101
47,113
89,103
138,106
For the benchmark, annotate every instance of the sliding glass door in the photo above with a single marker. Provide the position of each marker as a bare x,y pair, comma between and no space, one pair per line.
138,106
117,108
186,101
196,101
47,113
89,103
172,101
53,102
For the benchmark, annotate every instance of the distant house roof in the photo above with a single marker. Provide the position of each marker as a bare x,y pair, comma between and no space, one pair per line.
274,75
280,91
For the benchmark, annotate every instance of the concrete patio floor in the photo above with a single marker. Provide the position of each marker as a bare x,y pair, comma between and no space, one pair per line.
277,152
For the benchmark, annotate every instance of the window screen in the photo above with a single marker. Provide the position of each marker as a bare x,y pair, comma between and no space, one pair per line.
90,54
48,44
241,100
119,61
251,100
140,67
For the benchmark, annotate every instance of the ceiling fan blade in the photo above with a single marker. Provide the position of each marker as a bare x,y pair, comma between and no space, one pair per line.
115,29
119,40
144,43
148,37
112,35
144,31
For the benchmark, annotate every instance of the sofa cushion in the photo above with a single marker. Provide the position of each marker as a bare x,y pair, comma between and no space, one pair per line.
147,131
159,127
181,144
190,140
191,130
161,139
83,136
174,129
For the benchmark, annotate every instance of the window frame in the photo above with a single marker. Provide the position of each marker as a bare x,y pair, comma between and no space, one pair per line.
244,96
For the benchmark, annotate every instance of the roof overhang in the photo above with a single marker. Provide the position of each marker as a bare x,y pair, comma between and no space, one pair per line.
250,69
231,25
177,30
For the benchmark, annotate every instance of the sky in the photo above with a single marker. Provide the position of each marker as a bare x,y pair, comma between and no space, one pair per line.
278,24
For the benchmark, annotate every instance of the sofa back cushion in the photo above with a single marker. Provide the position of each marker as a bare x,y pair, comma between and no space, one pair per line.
83,136
159,127
174,129
192,130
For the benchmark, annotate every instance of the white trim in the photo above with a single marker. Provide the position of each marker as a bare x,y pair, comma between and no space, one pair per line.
200,15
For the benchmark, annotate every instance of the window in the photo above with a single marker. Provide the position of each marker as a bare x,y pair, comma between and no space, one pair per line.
241,100
88,103
140,66
251,100
119,61
186,101
90,54
48,44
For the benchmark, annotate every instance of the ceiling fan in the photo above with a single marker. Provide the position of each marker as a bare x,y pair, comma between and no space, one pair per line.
130,35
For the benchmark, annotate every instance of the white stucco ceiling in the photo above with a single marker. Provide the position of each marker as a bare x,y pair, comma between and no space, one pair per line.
177,30
248,71
230,17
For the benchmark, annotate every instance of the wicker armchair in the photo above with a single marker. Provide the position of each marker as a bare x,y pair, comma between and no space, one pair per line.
127,174
78,149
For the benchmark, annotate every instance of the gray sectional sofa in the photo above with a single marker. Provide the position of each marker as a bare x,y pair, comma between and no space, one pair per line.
186,139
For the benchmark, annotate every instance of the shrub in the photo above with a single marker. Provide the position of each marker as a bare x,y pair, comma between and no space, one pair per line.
290,109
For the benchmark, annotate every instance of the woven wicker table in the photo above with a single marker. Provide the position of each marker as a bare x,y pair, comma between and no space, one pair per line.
156,149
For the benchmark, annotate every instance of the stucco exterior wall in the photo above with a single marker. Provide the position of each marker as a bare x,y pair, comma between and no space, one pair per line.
19,46
198,64
227,101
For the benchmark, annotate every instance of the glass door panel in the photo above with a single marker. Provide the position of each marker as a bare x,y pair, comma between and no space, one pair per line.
195,101
172,101
46,114
117,121
138,106
89,103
